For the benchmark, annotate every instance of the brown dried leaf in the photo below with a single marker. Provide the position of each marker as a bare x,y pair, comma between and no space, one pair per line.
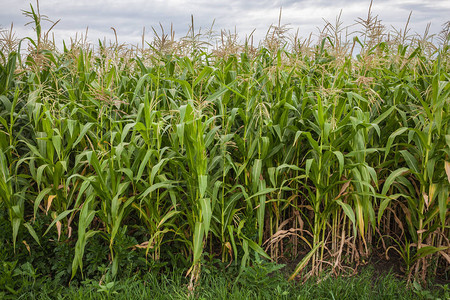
445,255
58,228
284,223
49,202
397,220
228,246
447,170
343,189
431,192
26,245
425,198
143,245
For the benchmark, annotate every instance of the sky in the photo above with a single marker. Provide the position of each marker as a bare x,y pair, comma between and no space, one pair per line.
131,16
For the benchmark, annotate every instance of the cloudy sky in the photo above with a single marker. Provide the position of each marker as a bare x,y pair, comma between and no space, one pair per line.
130,17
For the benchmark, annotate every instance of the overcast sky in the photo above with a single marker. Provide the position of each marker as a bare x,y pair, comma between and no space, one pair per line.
129,17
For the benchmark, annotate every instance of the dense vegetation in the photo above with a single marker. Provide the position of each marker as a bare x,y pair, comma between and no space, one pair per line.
183,153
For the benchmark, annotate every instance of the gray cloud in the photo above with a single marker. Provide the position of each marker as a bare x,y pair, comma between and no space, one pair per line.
129,17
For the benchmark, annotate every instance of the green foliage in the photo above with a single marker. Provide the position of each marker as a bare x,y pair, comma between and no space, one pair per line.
114,159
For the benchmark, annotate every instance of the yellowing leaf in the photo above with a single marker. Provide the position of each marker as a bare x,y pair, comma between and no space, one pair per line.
432,192
58,228
305,260
27,246
49,202
426,200
447,170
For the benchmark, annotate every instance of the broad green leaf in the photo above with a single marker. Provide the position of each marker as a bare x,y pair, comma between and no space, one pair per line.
340,158
198,241
391,139
59,218
202,184
83,132
32,232
347,210
391,178
205,204
39,198
255,247
411,161
305,260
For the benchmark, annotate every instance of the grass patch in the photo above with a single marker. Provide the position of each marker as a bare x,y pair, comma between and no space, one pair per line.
223,285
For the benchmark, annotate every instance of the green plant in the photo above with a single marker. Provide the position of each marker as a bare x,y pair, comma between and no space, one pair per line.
135,160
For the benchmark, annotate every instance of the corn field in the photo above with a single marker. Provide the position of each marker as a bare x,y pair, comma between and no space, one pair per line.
291,149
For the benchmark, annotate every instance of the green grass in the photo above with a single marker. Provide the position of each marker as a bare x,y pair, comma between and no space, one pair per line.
222,285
